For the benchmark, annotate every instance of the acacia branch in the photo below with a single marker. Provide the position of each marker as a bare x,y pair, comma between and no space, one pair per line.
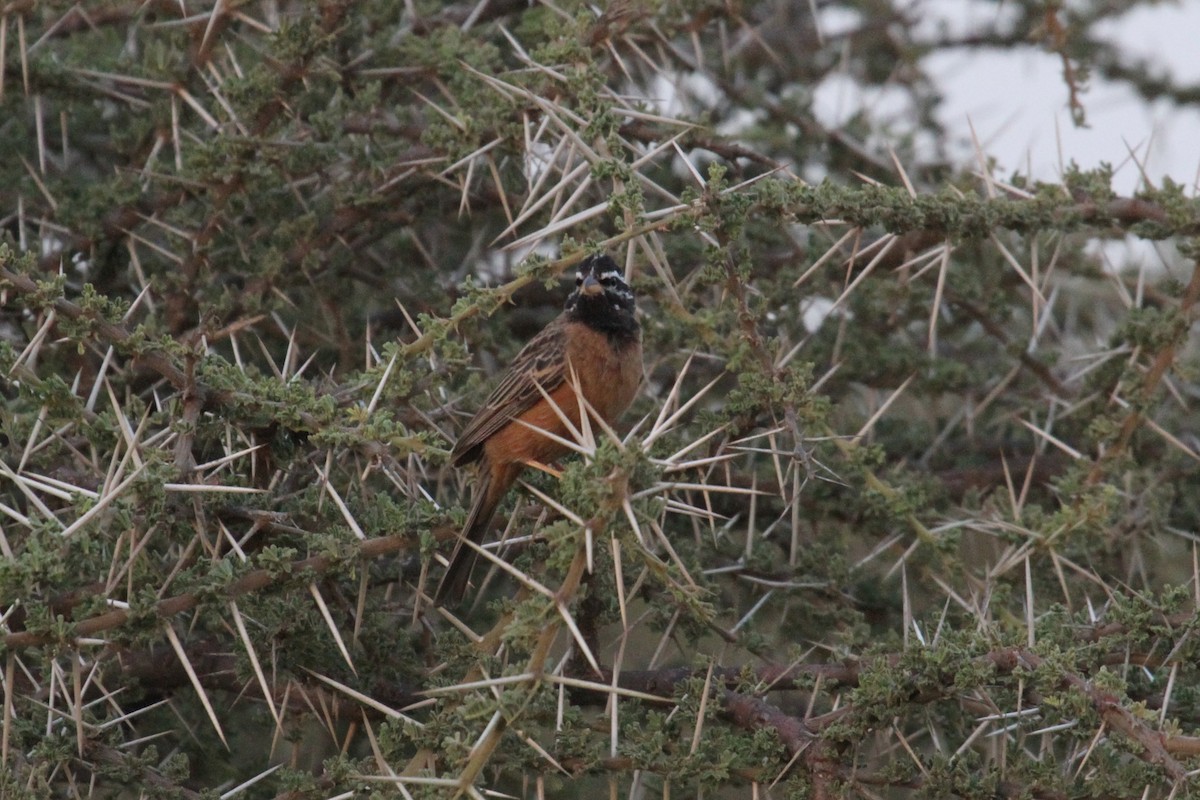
1163,361
253,581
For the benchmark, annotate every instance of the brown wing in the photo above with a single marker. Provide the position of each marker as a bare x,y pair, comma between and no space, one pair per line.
541,362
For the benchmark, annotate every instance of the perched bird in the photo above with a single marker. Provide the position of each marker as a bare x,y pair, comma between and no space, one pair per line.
597,338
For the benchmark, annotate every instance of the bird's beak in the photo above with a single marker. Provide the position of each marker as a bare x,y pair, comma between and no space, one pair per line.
591,287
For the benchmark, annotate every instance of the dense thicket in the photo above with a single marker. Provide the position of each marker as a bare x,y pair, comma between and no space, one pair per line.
907,504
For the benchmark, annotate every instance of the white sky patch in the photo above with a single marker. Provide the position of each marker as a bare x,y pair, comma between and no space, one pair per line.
495,265
680,94
837,20
740,120
1164,36
702,89
839,97
814,311
699,159
537,160
1017,102
1130,255
1017,99
51,245
937,19
814,173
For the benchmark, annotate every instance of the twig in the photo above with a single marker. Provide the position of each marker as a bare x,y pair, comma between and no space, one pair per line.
254,581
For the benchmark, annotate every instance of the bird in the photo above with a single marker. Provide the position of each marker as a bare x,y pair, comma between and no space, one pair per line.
595,344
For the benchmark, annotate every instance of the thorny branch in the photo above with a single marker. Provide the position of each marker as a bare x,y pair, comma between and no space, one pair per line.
380,183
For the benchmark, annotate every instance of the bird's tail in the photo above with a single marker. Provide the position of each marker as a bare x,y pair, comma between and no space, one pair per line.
488,493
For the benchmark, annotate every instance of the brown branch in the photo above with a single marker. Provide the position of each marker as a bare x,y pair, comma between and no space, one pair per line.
458,14
825,765
1163,361
148,355
771,677
754,338
1157,747
730,151
1154,744
159,669
125,763
1028,361
253,581
752,713
920,240
109,332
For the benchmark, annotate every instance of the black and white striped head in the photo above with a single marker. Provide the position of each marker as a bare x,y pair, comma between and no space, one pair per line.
602,299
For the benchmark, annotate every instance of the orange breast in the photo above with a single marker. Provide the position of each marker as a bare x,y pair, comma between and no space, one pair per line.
608,379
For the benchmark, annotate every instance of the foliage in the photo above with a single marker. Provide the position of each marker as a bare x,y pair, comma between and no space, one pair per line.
907,502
